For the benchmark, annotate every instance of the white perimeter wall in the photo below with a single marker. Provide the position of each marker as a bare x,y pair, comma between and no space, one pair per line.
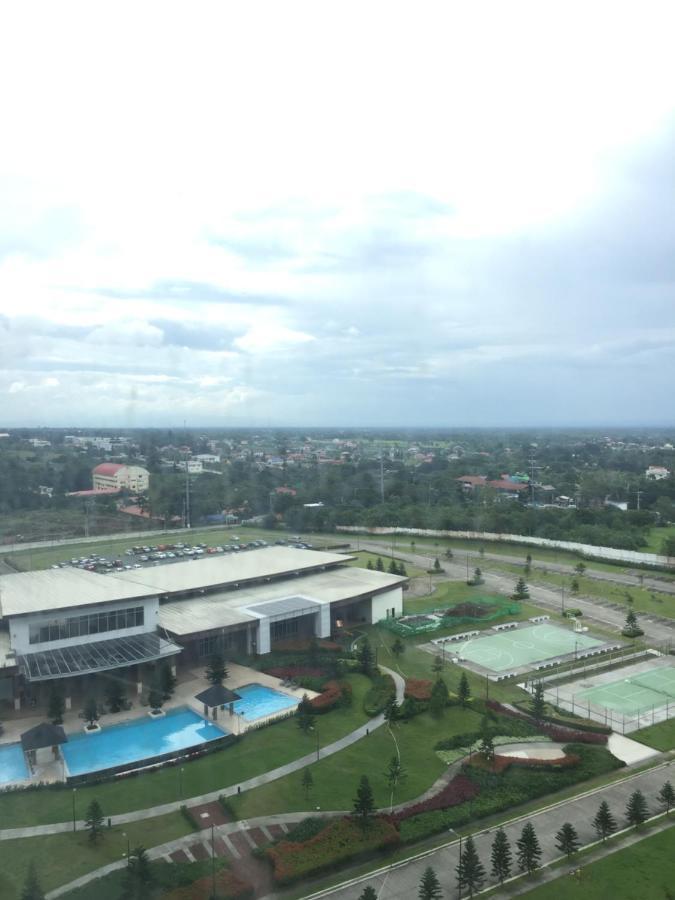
18,625
631,556
382,604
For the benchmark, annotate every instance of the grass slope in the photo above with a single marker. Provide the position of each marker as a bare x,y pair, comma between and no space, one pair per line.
660,737
645,870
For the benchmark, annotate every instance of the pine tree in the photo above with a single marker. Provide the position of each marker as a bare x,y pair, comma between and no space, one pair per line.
32,889
463,690
167,681
369,564
307,782
439,698
580,568
604,822
94,820
379,565
364,803
90,712
470,870
392,568
430,886
305,714
366,657
369,893
521,592
395,773
437,565
477,577
115,695
437,665
391,710
567,839
666,796
56,707
402,570
398,648
529,852
448,553
138,876
216,670
538,702
631,628
487,746
501,856
636,809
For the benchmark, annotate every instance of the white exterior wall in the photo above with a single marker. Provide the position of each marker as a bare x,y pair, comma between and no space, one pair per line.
19,625
382,604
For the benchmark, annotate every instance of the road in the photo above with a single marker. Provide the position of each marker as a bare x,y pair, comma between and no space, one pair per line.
402,881
657,629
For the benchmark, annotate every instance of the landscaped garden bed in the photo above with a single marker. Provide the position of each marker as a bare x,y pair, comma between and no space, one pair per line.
341,841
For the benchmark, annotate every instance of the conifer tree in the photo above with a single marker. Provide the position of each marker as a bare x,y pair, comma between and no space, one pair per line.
666,796
430,886
538,702
528,851
94,820
307,782
604,822
567,839
501,856
364,803
470,870
463,690
636,809
368,893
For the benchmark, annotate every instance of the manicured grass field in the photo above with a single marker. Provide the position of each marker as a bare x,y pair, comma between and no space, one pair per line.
336,778
660,737
257,752
61,858
645,871
656,538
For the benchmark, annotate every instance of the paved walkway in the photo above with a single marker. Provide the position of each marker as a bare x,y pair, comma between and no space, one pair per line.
297,764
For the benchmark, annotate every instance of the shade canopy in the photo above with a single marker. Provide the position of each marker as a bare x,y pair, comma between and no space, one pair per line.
217,695
43,735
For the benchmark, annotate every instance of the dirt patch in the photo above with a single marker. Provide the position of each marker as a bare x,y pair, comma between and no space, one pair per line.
471,610
208,814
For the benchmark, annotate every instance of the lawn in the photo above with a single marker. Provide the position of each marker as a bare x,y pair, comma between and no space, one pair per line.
336,777
450,593
256,753
656,536
642,600
167,876
61,858
660,737
645,870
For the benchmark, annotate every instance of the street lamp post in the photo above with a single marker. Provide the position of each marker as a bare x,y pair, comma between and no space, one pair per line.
74,792
125,835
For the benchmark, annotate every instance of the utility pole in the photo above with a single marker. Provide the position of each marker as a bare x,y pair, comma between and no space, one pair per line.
638,495
381,477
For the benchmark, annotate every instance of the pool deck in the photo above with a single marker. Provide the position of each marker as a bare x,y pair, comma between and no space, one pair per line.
191,682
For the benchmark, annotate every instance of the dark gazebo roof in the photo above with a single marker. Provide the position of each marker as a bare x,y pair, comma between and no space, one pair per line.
217,695
43,735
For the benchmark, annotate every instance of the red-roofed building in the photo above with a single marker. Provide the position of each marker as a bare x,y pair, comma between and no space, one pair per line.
469,482
118,477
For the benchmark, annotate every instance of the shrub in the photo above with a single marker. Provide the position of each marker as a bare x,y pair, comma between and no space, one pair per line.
189,818
418,689
333,693
340,841
228,886
455,792
500,764
305,830
227,808
377,696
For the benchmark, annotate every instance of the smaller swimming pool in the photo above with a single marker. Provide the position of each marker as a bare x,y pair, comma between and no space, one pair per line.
12,764
257,701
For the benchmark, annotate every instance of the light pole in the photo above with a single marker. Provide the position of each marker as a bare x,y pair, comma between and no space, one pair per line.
74,792
213,861
180,782
317,743
125,835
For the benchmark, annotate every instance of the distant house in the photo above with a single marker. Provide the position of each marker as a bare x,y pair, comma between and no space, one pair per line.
657,473
118,477
470,482
504,486
285,490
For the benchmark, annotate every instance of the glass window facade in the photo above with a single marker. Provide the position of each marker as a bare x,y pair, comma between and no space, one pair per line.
80,626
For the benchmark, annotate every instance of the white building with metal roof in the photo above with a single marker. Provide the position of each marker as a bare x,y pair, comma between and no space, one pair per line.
69,623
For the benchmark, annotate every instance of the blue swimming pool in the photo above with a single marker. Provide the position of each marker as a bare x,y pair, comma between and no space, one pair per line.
12,764
141,739
258,701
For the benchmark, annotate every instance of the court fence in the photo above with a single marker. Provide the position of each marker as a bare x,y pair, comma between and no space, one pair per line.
612,718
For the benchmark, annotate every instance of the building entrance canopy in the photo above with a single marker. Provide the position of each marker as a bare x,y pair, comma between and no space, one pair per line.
99,656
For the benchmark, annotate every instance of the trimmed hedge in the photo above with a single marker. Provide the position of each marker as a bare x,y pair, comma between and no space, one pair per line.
455,792
333,693
341,841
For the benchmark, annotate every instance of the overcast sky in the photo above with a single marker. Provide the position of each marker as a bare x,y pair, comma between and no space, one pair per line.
332,213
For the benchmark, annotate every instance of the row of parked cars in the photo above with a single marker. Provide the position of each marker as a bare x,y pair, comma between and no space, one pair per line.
139,556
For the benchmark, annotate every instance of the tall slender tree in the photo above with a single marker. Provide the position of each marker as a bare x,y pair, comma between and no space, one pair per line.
398,648
666,796
305,714
364,803
463,690
366,657
567,839
470,870
604,822
307,782
94,820
528,851
501,856
637,811
538,703
430,886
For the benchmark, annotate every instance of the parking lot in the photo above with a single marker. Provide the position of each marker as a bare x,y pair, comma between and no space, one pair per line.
140,557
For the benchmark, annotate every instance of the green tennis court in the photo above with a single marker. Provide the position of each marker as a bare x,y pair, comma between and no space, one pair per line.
524,646
653,688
